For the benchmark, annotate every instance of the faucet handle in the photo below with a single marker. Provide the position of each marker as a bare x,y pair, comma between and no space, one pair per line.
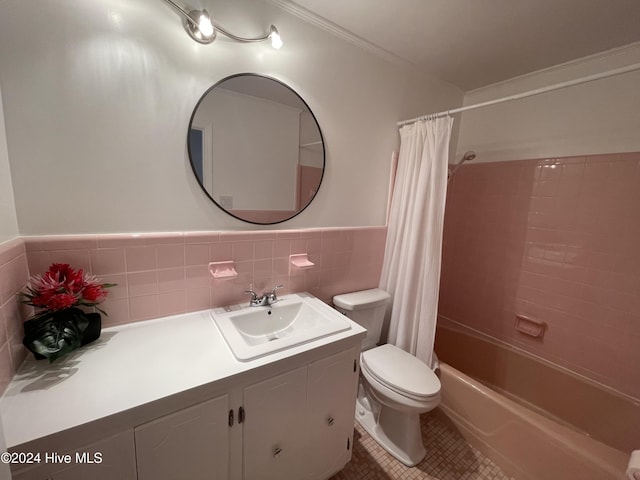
254,295
273,298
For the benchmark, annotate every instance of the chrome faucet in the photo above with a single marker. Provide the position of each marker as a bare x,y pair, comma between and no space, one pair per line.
266,299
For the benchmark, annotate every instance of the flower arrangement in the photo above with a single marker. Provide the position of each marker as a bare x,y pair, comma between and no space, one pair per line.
59,325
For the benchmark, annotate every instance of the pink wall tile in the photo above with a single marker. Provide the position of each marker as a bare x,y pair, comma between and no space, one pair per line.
163,274
14,312
105,261
6,368
170,256
201,237
76,258
172,303
171,280
220,252
3,328
197,254
263,249
14,276
142,283
140,258
117,311
144,308
39,261
71,242
242,251
565,252
120,290
166,274
197,299
197,277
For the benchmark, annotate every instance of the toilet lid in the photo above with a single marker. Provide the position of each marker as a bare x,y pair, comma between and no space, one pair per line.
401,371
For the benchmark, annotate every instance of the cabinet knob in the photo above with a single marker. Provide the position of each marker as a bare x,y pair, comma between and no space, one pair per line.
330,421
276,452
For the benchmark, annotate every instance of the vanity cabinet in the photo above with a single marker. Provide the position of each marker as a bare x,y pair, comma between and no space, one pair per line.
296,425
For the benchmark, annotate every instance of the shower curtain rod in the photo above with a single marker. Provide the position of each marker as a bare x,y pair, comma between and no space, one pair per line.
530,93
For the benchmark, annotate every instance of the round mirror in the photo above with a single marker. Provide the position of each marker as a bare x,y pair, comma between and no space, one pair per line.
256,149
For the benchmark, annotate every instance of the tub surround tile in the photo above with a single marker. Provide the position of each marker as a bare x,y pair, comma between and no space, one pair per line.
563,249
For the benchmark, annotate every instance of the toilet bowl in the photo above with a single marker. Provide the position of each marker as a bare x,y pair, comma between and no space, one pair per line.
395,387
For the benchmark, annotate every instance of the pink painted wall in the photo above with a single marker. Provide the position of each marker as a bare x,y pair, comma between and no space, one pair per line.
557,240
13,278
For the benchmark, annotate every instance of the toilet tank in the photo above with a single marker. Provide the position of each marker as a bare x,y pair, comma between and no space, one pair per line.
366,308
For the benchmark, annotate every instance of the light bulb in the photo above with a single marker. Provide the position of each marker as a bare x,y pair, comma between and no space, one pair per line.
276,41
204,25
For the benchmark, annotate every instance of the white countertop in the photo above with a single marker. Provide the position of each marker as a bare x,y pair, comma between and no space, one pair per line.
126,367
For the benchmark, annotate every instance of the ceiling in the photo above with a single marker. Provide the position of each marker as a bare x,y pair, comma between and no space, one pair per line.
473,43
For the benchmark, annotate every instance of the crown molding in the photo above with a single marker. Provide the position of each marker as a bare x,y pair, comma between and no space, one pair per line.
308,16
594,57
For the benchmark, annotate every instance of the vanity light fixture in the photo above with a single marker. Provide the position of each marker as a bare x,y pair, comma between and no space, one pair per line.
203,29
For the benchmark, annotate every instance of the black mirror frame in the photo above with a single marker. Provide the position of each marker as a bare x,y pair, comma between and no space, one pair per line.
324,154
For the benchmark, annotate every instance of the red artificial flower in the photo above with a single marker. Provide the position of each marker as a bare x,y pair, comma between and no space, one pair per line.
62,287
60,301
94,293
42,300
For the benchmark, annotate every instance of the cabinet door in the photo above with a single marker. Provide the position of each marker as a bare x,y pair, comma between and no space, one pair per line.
190,444
274,427
113,457
332,389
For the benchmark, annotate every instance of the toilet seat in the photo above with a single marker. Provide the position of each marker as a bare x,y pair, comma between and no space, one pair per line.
401,372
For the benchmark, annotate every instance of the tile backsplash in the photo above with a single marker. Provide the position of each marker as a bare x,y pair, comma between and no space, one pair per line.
13,278
556,240
162,274
166,274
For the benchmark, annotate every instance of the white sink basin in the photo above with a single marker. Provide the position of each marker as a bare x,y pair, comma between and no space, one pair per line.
297,318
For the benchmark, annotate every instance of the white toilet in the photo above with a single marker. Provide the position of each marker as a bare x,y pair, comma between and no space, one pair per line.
395,387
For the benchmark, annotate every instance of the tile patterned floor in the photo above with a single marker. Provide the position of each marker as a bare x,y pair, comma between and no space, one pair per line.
449,457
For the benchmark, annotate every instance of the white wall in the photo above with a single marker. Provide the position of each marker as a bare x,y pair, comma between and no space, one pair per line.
98,96
8,221
597,117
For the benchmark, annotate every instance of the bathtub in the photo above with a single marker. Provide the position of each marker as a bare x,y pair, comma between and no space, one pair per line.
536,420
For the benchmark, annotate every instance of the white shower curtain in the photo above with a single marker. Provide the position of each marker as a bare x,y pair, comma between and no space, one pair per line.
412,257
